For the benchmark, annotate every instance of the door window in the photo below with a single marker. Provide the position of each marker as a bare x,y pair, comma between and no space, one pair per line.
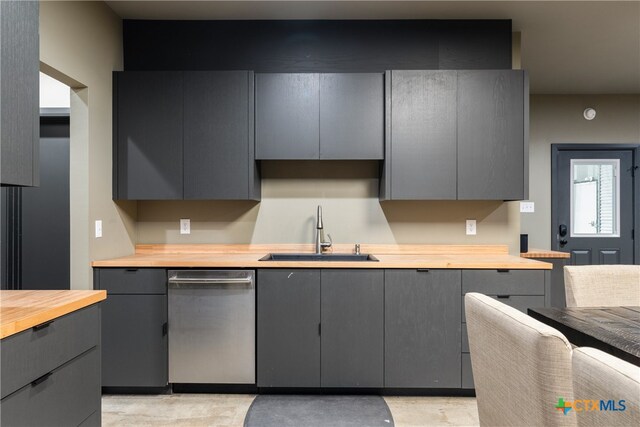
595,197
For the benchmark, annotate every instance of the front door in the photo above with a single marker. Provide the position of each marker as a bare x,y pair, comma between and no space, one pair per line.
593,209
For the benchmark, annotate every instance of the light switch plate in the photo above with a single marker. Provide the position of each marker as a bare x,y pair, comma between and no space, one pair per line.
527,207
98,228
471,227
185,226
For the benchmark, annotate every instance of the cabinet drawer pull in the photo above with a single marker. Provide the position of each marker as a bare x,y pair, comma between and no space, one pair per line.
41,379
423,270
503,270
131,270
42,325
503,296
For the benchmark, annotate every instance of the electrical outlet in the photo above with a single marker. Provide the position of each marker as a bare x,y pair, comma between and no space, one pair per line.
98,228
185,226
527,207
471,227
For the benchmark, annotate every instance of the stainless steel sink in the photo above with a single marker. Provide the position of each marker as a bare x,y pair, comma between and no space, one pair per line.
319,257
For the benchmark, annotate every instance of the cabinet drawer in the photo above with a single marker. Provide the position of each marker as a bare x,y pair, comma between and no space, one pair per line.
37,351
497,282
132,280
520,302
65,398
467,374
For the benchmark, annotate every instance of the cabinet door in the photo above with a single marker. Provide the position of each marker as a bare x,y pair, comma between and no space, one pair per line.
423,135
352,328
422,328
491,131
19,111
288,328
287,116
218,140
148,135
134,341
352,116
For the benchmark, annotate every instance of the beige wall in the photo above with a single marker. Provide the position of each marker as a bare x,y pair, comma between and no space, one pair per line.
557,119
348,192
81,44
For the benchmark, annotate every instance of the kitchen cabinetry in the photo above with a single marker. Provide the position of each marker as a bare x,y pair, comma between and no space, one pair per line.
134,327
51,372
288,328
184,135
352,314
148,122
456,135
309,340
19,85
422,328
319,116
493,151
520,289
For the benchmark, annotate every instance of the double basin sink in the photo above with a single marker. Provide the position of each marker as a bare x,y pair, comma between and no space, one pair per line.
319,257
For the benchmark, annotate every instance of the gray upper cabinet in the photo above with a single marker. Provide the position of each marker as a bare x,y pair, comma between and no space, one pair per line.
287,111
148,135
218,136
184,135
19,85
456,135
352,312
288,319
320,116
352,116
422,148
422,328
492,145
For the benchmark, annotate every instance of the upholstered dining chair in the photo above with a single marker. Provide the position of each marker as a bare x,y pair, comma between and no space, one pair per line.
602,285
600,376
521,367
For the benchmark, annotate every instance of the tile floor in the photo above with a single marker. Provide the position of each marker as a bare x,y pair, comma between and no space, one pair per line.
230,409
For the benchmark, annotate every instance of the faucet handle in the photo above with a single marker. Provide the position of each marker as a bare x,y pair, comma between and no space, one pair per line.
330,240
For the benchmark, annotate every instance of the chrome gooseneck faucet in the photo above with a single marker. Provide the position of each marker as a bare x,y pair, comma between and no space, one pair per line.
321,245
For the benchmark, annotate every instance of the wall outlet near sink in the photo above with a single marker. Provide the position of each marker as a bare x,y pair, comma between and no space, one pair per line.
185,226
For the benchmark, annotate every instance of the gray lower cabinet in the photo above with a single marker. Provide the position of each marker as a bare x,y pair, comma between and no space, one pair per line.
422,328
309,116
19,83
134,327
320,328
147,155
492,142
352,315
51,372
288,322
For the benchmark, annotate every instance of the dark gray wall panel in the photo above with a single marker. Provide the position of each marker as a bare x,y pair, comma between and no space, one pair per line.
19,85
287,116
317,45
288,328
423,135
352,328
216,134
149,135
422,328
352,116
490,135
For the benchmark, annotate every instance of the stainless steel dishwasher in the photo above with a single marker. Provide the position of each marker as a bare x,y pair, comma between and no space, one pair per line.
212,326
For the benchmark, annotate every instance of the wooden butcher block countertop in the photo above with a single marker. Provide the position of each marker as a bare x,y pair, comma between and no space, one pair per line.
544,253
389,256
21,310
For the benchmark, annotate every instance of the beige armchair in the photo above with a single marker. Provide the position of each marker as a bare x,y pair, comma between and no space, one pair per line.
602,285
598,375
521,367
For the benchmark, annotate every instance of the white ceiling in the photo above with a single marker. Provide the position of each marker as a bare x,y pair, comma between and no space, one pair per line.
568,47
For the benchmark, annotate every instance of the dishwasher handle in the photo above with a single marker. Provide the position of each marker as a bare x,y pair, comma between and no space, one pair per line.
202,282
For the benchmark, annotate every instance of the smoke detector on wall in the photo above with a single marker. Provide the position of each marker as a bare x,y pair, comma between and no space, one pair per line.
589,113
